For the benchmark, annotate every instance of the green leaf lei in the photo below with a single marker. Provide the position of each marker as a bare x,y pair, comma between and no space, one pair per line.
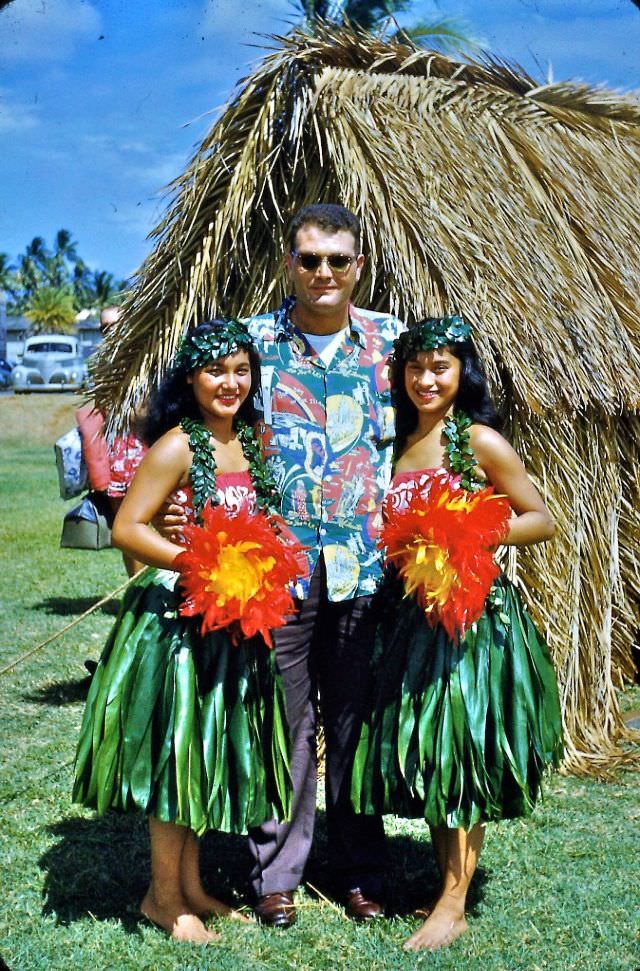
229,337
461,457
430,333
203,467
463,462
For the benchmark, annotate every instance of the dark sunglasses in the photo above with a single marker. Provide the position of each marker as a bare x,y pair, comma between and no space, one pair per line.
339,262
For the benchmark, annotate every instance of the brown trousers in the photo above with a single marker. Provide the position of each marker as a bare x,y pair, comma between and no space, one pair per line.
325,650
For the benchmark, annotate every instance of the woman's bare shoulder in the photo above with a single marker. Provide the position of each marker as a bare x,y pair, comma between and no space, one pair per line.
172,447
486,440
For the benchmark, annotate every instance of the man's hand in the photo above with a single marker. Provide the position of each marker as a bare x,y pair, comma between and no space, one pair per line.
170,521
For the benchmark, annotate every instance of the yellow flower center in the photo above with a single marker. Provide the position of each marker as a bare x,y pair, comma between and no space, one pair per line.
430,570
239,573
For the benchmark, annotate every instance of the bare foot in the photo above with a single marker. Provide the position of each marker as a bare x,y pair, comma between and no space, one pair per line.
175,917
445,924
202,904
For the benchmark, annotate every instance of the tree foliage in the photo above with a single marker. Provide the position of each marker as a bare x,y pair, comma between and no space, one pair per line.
52,309
444,33
55,282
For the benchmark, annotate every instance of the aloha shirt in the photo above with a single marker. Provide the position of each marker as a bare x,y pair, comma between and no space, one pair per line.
328,432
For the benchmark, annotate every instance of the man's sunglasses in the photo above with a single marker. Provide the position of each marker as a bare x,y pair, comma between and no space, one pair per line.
338,262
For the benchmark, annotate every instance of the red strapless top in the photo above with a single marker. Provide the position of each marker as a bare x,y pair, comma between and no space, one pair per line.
405,485
233,490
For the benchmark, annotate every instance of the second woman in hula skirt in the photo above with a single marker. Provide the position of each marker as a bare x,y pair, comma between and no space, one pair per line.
465,715
185,719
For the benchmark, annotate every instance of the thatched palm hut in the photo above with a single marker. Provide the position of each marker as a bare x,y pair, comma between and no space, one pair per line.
481,193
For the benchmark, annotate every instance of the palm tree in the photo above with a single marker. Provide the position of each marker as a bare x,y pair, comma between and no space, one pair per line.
379,17
82,285
59,271
94,288
32,267
105,288
37,250
65,251
66,246
52,309
7,275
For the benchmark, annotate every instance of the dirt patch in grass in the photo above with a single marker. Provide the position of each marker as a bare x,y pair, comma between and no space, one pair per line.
37,418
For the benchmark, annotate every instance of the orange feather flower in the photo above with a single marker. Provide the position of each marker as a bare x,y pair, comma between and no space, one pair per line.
442,547
236,573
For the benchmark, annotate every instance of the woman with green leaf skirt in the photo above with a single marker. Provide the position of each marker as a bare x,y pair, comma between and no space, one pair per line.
189,729
462,727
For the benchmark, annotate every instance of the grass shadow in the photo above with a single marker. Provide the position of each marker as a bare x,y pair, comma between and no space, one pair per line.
71,606
100,868
96,867
413,879
59,693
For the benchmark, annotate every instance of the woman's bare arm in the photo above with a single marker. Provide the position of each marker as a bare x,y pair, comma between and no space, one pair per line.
163,469
532,522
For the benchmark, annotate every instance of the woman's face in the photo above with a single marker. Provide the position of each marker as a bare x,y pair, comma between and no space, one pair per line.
431,380
221,386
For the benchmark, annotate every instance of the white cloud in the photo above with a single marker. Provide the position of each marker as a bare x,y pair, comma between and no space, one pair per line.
152,174
136,146
17,116
139,163
597,40
160,171
272,16
136,220
577,47
46,30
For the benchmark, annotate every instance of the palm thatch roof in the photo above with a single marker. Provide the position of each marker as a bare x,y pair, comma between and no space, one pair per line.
480,192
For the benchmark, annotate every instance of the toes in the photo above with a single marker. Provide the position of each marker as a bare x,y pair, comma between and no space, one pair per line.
187,927
237,915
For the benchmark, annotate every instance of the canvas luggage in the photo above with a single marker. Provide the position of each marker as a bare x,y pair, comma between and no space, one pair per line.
72,471
88,526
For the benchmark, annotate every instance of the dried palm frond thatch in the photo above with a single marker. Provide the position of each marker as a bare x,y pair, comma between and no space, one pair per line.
480,192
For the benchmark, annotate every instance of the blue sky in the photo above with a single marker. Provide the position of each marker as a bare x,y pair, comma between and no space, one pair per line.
103,101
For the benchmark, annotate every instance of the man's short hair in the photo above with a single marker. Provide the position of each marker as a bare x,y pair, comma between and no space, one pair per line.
328,216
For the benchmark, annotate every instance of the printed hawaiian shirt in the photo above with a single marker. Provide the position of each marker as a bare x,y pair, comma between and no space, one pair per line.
328,432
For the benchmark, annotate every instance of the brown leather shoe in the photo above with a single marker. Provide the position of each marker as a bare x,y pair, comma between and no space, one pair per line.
276,909
360,907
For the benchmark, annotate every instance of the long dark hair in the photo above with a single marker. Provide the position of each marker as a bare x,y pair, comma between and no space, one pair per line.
473,397
174,400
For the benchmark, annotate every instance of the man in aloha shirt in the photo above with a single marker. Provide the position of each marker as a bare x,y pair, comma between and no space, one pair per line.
328,428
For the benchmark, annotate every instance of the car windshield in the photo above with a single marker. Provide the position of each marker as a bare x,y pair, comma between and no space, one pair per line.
50,347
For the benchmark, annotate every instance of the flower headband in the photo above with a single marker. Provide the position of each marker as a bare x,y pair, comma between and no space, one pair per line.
430,333
226,337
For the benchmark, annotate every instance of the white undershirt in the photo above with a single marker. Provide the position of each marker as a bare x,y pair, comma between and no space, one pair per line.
326,345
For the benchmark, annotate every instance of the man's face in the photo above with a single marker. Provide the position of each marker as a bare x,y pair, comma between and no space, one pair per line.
108,317
324,291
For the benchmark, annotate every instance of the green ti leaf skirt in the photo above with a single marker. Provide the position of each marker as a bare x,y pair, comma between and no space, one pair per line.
188,729
457,733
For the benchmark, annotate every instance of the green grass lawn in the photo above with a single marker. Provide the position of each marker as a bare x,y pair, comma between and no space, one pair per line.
558,892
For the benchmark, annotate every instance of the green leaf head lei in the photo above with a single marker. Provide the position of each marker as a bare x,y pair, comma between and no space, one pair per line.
197,350
225,337
429,334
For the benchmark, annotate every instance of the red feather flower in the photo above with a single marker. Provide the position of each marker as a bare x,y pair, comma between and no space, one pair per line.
236,573
441,545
